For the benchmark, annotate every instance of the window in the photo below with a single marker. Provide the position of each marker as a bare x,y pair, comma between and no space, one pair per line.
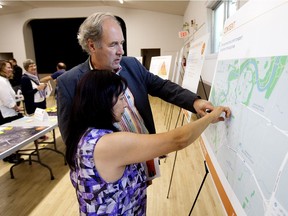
221,10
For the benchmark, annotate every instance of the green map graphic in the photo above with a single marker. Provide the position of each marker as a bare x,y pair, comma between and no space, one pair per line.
252,147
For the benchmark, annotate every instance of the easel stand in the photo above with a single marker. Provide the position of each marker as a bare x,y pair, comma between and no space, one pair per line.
206,173
172,173
175,157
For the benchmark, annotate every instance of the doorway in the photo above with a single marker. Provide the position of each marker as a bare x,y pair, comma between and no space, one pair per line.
6,56
61,46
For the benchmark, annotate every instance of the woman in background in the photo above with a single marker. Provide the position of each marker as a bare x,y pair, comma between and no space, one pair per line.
32,90
106,165
9,109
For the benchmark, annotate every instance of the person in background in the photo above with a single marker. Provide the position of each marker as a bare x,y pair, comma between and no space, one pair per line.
106,164
61,68
8,107
32,90
17,75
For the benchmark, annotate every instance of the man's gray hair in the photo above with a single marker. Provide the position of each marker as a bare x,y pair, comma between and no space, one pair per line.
91,28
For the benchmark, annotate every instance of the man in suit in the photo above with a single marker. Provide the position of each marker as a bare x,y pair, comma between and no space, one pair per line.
100,35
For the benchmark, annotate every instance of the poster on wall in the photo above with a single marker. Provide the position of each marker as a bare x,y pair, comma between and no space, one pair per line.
250,150
160,65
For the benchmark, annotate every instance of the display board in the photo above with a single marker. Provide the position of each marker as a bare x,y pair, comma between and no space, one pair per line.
194,65
160,65
249,152
179,68
176,68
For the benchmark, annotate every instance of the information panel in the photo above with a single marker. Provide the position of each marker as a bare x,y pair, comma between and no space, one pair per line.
160,65
194,65
250,151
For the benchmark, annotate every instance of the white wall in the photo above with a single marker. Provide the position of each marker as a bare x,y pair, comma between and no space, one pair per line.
145,29
198,10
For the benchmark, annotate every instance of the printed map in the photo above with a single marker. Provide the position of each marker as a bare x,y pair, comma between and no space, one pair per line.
252,147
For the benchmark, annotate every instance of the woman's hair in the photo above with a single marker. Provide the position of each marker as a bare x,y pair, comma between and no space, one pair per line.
96,94
27,62
3,64
91,28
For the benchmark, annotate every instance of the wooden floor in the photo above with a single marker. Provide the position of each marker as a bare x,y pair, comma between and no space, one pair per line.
33,193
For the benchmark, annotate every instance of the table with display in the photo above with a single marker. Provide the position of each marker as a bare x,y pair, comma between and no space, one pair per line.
22,132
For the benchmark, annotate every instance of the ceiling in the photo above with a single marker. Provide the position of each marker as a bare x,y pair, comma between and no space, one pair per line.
176,7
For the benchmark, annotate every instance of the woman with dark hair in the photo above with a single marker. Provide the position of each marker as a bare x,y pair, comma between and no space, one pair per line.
107,165
93,107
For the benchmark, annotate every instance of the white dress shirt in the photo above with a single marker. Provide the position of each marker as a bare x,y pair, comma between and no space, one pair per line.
7,98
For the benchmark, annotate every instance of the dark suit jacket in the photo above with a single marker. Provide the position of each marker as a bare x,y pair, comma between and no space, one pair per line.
140,82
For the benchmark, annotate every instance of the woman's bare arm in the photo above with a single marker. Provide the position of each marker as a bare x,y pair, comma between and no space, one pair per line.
114,151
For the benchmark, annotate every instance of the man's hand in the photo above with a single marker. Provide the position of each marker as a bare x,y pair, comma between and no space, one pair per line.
201,106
